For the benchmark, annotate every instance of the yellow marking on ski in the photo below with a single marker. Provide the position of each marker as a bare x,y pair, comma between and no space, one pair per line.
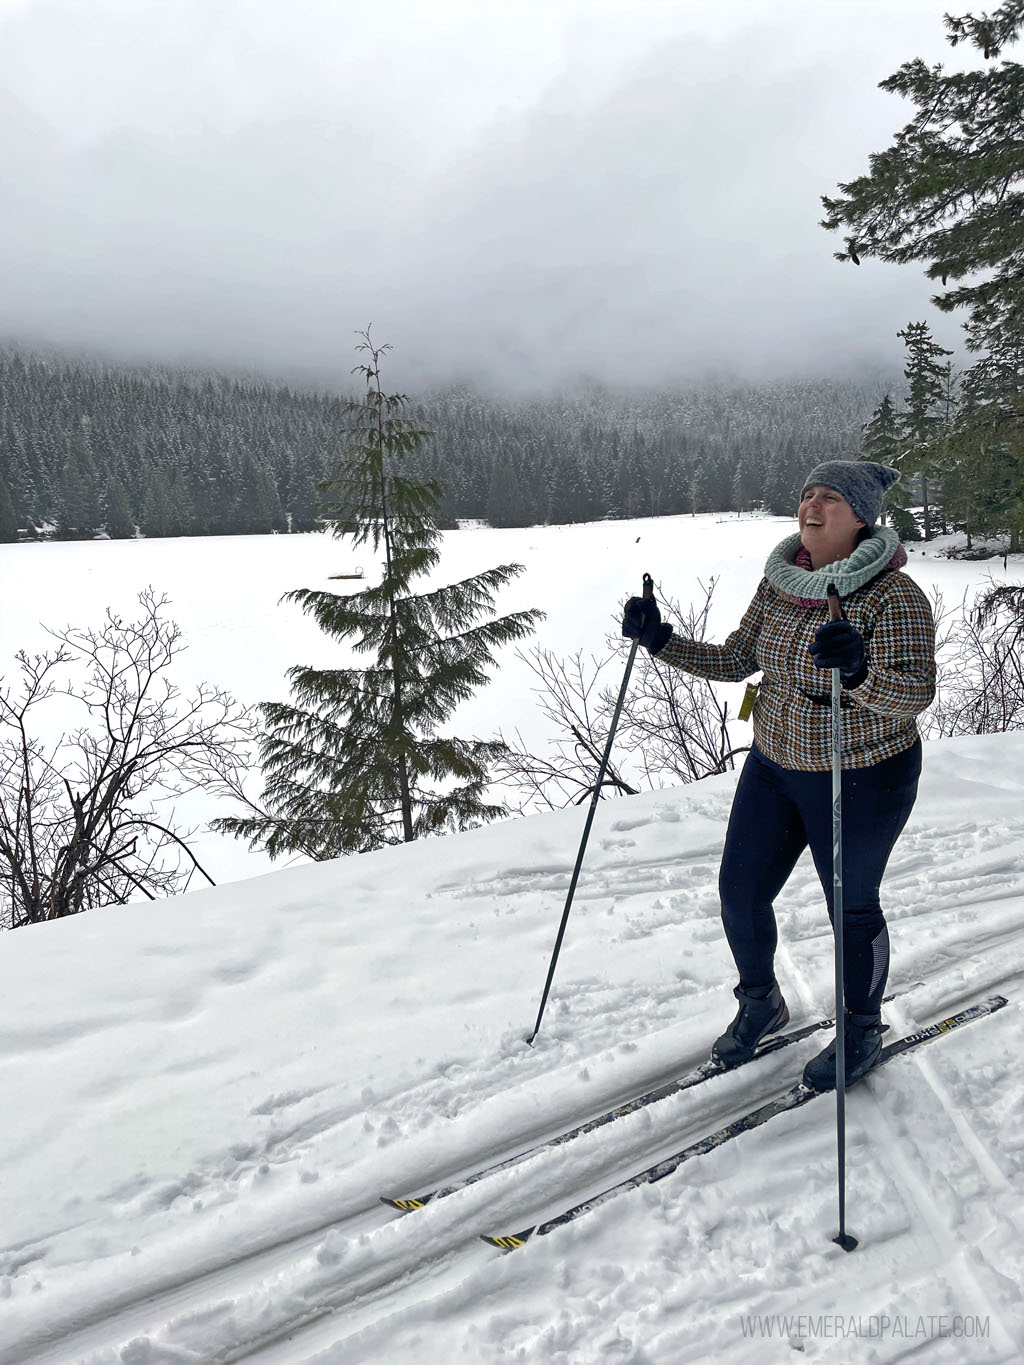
406,1205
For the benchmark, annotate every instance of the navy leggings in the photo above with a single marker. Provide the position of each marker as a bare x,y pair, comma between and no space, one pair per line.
777,812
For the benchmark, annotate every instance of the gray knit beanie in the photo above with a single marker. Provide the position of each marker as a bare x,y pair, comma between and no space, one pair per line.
861,484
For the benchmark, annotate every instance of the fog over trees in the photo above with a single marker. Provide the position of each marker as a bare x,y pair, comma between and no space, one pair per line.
88,448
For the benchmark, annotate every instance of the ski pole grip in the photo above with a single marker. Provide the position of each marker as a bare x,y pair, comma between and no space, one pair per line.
648,590
835,609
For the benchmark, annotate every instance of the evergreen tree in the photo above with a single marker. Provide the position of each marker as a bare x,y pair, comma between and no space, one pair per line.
120,523
744,484
301,494
925,421
509,502
989,442
79,500
258,507
698,489
882,443
948,193
356,762
8,520
158,514
781,489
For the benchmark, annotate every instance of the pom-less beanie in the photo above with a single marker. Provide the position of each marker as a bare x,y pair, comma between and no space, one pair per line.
862,484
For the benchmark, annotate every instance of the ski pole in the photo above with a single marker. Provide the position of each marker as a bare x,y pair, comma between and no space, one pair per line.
648,592
844,1239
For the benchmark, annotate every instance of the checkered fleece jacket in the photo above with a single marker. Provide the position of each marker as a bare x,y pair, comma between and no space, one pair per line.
792,714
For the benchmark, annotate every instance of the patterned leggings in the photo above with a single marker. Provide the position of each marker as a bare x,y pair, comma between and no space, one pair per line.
777,812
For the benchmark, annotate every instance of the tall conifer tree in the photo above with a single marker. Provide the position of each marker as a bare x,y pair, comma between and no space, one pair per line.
356,761
925,422
949,192
882,442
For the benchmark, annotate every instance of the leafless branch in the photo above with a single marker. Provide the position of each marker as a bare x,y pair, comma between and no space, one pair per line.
79,816
981,668
673,726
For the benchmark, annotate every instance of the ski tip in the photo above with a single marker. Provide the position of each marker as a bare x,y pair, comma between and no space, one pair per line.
512,1243
405,1205
845,1241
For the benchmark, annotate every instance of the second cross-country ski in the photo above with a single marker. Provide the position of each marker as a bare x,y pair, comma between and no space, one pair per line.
796,1096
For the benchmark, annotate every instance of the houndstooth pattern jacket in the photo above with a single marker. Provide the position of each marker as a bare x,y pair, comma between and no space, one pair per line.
792,714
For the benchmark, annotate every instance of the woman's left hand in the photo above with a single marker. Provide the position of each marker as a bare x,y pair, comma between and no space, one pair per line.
839,644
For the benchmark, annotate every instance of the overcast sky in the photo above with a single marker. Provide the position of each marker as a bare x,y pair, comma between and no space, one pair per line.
523,191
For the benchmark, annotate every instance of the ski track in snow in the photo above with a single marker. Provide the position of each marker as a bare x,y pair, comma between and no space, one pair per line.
198,1125
345,1287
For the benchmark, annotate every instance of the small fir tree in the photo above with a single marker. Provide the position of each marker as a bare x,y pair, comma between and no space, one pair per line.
356,761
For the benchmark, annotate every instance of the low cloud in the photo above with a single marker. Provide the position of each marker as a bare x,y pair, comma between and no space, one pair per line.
248,191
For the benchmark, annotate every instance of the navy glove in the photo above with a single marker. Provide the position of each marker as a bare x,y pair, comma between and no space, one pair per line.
641,620
839,644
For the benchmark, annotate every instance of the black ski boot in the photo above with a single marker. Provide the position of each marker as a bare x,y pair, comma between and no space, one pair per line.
863,1049
758,1016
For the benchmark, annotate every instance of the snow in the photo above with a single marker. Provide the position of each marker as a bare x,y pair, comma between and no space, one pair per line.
204,1098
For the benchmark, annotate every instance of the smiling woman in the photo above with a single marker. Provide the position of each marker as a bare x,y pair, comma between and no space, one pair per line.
884,649
840,501
829,527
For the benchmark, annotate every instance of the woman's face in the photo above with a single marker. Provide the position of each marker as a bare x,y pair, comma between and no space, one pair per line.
828,525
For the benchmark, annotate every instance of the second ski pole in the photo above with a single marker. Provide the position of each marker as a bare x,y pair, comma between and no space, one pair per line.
843,1238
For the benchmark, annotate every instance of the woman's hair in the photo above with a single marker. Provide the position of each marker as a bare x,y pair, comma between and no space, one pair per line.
862,534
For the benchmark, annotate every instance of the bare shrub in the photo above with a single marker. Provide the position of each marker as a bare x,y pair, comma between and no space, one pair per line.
673,727
980,686
81,814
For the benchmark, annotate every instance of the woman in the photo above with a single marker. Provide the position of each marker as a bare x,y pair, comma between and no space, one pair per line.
885,652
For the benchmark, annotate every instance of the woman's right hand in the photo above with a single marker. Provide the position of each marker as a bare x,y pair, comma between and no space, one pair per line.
641,620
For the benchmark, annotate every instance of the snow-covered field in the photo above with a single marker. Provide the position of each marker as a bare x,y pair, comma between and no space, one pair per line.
203,1099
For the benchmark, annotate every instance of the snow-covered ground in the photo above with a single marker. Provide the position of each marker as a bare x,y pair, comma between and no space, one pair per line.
224,592
203,1099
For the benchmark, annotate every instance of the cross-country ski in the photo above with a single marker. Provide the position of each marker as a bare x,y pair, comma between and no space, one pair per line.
793,1098
706,1071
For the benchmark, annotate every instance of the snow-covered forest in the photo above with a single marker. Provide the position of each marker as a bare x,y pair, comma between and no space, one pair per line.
87,448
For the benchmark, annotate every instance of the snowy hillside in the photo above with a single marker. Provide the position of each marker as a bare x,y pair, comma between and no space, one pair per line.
203,1099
